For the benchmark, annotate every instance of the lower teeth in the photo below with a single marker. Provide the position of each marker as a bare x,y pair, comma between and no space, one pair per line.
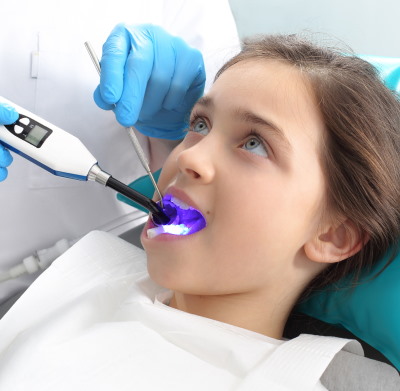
180,229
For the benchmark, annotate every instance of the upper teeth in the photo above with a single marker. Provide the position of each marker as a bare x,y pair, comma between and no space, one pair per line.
180,203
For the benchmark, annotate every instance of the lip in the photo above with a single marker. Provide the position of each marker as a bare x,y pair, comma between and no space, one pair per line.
181,195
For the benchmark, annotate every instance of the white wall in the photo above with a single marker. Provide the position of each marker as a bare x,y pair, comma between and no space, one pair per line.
368,27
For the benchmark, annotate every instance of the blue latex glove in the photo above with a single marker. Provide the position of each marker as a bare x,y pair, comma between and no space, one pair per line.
8,115
152,77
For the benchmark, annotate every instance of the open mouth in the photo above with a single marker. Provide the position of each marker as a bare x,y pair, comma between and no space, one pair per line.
184,220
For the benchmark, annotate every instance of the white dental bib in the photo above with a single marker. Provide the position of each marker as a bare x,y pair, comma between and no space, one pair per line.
95,321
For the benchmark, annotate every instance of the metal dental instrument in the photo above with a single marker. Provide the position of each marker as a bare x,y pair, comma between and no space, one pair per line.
130,130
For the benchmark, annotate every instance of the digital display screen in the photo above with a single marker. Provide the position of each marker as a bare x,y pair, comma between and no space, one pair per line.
35,136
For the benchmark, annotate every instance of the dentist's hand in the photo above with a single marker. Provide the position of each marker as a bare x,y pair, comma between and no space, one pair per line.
7,116
152,77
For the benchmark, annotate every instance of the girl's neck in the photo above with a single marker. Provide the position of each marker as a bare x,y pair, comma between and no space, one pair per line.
248,311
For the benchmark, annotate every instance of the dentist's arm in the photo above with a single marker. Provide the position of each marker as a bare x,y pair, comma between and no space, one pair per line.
7,116
152,77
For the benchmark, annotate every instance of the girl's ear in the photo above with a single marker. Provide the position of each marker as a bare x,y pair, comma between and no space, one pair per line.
335,244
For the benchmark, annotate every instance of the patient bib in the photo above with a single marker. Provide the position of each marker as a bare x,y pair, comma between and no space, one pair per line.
95,321
298,364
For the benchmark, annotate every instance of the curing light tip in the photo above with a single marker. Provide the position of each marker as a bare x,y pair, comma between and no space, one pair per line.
183,219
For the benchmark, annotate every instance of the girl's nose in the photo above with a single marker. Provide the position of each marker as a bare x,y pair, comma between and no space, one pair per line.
196,163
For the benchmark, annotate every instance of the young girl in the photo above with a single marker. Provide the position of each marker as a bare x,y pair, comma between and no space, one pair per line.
293,160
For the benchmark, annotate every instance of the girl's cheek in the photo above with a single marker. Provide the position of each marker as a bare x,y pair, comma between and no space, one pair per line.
169,170
190,139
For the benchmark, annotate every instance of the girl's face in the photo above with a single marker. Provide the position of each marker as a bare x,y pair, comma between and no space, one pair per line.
250,163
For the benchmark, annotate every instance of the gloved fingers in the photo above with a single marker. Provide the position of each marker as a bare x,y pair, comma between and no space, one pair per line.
192,96
8,115
5,157
99,100
138,69
187,84
177,133
115,52
164,68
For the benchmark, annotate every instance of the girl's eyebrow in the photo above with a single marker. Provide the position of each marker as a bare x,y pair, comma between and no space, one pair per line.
249,117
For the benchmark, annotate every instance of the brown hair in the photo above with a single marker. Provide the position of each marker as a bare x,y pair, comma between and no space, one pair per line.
361,151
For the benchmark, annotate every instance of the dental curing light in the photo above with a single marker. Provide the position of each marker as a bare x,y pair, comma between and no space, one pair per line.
64,155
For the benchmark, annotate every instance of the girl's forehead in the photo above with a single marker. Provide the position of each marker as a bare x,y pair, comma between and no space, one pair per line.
272,85
266,76
252,65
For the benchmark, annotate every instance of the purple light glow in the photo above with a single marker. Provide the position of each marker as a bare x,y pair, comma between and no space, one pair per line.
184,220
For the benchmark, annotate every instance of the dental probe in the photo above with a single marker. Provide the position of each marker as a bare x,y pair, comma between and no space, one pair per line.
131,132
64,155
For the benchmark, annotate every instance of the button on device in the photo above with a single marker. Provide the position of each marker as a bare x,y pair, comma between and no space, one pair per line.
18,129
24,120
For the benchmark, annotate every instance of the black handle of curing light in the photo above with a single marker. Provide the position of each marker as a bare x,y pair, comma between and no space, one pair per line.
158,216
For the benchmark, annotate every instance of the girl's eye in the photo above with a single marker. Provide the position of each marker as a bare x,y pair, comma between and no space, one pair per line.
200,126
256,146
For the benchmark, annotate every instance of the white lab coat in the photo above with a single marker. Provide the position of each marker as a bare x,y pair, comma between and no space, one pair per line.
45,68
95,321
